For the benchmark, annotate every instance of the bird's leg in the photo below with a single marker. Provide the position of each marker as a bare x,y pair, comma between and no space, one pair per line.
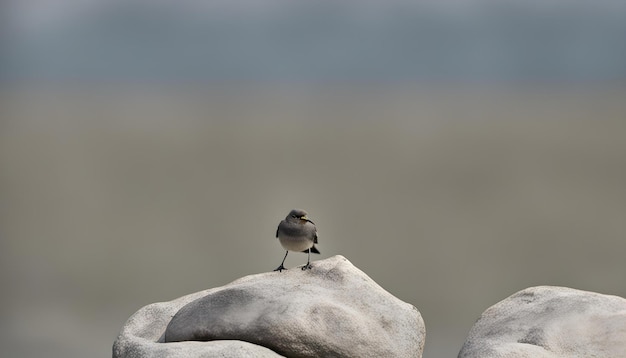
281,267
308,262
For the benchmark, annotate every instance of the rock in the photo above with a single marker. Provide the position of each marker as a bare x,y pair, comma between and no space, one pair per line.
332,310
550,322
143,336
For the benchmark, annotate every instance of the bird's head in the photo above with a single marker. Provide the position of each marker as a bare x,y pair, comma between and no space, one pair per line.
296,214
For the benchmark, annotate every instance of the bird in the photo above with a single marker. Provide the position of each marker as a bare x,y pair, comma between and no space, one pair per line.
297,233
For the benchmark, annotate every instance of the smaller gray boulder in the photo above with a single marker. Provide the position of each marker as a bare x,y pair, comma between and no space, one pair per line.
332,310
550,322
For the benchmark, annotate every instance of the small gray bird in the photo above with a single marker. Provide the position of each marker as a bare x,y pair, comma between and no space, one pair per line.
297,233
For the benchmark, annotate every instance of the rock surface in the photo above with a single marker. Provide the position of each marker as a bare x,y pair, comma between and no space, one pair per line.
143,336
332,310
550,322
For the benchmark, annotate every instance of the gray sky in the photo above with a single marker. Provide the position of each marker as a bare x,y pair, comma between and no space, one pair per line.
278,40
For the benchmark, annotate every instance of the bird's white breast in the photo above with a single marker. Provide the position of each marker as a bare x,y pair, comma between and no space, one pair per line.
295,243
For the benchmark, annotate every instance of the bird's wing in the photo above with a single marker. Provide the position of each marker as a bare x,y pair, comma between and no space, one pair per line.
314,233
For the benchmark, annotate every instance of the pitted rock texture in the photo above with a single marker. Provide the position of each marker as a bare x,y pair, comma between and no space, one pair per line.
550,322
332,310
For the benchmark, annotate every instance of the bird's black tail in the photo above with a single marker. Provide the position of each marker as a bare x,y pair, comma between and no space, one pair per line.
314,250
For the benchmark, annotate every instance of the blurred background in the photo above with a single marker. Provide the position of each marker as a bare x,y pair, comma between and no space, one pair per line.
455,151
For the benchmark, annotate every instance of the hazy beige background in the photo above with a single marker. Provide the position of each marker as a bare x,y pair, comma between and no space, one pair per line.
114,198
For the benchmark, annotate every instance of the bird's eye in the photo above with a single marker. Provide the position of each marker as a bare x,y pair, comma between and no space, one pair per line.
293,216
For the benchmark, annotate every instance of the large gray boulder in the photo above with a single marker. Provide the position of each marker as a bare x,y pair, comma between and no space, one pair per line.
550,322
332,310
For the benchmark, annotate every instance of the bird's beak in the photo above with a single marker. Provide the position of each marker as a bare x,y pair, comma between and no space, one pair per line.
304,217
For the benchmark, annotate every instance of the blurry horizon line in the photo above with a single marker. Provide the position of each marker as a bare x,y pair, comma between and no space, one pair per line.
616,83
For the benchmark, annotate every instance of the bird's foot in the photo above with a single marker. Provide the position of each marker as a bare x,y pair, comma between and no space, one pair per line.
307,267
280,268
